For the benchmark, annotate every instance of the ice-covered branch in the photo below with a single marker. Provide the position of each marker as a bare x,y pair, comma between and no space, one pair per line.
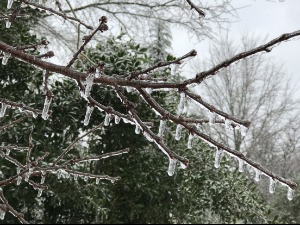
68,149
263,48
21,106
102,27
212,109
135,74
57,13
193,6
147,132
207,139
8,208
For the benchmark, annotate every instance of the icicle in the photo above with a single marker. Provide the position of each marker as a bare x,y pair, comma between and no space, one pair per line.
218,157
107,119
47,103
183,166
43,172
178,132
227,124
59,174
241,165
190,141
43,179
27,175
243,130
5,58
290,194
40,192
68,175
137,129
172,166
129,89
34,114
9,3
3,109
89,83
162,127
7,152
18,170
2,213
181,103
75,176
149,90
212,118
8,24
19,180
149,138
117,119
86,178
257,175
89,110
30,170
272,185
97,180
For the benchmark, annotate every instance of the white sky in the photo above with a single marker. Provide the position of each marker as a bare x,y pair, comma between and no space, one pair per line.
261,17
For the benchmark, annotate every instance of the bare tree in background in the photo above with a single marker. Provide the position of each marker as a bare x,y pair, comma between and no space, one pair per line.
253,89
136,19
137,82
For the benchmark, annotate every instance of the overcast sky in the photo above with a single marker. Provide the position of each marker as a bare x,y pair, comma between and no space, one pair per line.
261,17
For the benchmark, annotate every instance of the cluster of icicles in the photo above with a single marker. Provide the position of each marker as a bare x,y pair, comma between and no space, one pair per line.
4,107
172,162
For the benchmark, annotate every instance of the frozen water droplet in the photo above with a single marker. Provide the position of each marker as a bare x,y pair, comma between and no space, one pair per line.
47,103
75,176
290,194
97,180
43,172
89,110
107,119
117,119
218,157
190,141
172,166
181,103
178,132
19,180
40,192
3,109
272,185
86,178
137,129
257,175
241,165
162,127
